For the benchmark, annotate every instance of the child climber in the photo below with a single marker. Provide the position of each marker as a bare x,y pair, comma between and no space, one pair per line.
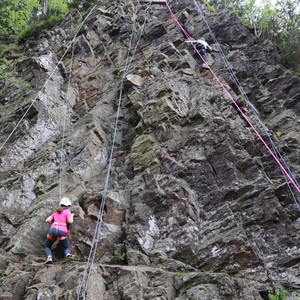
59,229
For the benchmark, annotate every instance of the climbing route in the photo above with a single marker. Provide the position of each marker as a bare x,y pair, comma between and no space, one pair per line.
62,170
250,105
291,178
83,288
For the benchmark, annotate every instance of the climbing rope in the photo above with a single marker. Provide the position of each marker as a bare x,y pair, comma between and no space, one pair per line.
61,171
250,105
296,185
49,77
82,291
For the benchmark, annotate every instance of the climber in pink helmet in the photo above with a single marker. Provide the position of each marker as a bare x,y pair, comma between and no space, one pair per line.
59,229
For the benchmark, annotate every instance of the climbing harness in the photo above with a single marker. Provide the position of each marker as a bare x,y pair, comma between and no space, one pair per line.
82,290
59,238
296,185
59,224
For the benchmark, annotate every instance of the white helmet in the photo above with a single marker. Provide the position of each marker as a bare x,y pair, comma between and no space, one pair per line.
65,202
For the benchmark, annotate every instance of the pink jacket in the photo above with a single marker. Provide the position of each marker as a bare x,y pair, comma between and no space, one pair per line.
60,220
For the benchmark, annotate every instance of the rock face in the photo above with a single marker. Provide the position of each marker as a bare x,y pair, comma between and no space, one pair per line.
196,208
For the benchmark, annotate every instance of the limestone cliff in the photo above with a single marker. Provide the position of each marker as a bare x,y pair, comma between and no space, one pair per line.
197,208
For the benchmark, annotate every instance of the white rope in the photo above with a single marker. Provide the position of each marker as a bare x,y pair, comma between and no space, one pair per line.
82,291
48,79
61,171
252,107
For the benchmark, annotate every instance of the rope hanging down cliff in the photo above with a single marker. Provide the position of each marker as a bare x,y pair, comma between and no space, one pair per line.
82,291
296,185
61,171
250,105
49,77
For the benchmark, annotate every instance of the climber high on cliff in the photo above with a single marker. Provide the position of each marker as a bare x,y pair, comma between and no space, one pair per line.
202,46
59,229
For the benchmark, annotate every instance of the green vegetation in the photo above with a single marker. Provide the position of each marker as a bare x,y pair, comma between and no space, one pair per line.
121,257
40,26
21,251
280,23
230,202
14,16
6,74
117,72
160,258
182,271
20,19
211,7
206,271
4,69
150,64
279,134
278,295
164,202
196,256
1,273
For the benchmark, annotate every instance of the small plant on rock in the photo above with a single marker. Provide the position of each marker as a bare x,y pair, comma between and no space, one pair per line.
196,256
206,271
150,64
278,295
21,251
279,134
117,72
121,257
164,202
160,258
230,202
182,271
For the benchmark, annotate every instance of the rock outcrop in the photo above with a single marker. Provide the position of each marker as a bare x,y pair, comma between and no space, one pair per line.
196,208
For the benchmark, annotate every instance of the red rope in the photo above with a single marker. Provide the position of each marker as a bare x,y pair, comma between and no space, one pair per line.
296,185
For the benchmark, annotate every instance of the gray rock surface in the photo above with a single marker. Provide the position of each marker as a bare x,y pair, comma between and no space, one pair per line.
197,208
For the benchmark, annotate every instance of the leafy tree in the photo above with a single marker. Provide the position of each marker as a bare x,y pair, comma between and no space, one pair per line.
15,15
289,16
264,20
53,7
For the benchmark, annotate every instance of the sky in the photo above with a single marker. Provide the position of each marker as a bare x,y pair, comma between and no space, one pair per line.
258,2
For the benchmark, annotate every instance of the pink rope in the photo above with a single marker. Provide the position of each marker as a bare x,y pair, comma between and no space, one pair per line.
296,185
